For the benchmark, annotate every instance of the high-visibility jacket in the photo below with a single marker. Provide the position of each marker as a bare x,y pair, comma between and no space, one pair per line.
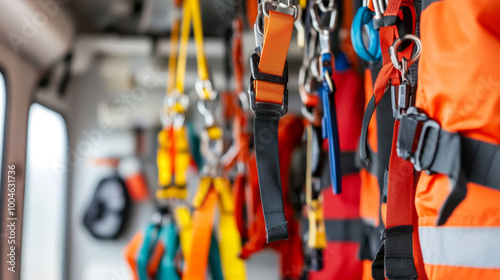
459,88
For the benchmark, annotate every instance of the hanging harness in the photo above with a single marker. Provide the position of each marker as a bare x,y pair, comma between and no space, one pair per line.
269,101
399,255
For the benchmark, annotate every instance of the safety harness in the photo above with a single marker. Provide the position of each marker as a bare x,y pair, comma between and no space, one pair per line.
269,101
399,255
213,186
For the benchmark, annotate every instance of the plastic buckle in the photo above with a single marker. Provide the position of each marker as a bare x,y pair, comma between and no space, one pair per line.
412,138
402,98
265,107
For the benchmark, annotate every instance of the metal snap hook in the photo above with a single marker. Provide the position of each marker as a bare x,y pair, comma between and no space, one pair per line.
205,90
317,6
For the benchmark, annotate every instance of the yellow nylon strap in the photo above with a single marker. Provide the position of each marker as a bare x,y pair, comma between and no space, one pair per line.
230,241
317,233
204,186
191,13
183,219
172,56
173,161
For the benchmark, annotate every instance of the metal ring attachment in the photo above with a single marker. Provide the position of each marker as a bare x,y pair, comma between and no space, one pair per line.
393,51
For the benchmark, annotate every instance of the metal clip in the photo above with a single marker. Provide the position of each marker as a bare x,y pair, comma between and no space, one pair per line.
393,52
174,108
282,6
212,150
205,90
402,98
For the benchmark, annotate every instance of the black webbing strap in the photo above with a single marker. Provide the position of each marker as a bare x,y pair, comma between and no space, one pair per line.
364,153
268,168
396,255
369,241
337,230
461,159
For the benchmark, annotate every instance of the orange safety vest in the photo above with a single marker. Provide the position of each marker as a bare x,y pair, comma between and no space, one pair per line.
459,88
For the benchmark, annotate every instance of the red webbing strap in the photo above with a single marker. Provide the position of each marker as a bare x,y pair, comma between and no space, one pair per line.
401,188
278,29
401,209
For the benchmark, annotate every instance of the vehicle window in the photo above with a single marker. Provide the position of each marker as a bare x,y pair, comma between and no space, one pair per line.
45,195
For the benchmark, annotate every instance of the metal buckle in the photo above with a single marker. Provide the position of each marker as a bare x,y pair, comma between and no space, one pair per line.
282,6
280,109
412,137
402,98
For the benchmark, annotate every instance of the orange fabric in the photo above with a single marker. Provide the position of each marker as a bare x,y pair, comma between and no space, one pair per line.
278,29
202,232
237,54
155,259
252,11
367,269
446,272
459,86
372,127
137,187
130,253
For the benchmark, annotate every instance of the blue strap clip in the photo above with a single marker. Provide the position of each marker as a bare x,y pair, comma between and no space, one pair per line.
329,122
364,20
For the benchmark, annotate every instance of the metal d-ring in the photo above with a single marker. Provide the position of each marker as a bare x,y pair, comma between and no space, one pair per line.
393,51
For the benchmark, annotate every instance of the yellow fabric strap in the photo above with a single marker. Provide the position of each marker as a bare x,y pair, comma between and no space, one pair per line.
173,161
230,241
317,233
183,219
191,12
303,4
172,56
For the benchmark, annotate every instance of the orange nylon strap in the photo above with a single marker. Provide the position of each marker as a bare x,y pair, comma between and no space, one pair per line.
278,29
237,54
252,11
202,232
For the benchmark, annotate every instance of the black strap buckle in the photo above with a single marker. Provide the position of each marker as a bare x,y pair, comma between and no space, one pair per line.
264,107
402,98
418,138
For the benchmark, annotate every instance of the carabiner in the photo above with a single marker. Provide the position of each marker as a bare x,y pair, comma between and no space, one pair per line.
212,150
394,57
317,6
364,21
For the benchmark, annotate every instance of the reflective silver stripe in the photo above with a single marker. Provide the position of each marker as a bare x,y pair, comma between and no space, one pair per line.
477,247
